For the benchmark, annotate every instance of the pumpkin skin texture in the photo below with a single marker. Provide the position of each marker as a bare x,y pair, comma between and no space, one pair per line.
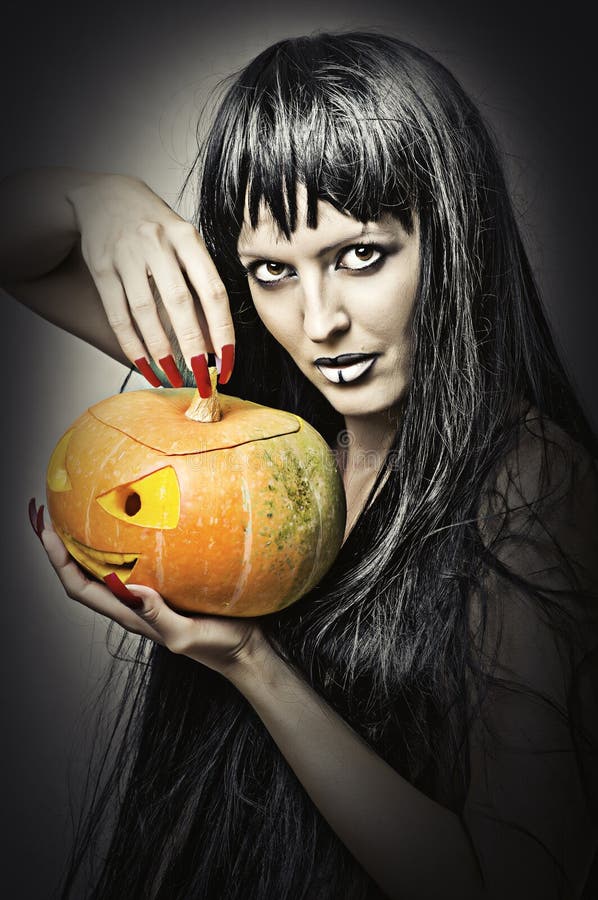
239,517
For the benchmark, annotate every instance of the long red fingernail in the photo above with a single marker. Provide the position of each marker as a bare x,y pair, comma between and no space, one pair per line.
199,365
228,361
172,373
147,371
121,591
40,521
34,516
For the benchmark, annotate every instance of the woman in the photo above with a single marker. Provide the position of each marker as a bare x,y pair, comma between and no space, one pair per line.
420,725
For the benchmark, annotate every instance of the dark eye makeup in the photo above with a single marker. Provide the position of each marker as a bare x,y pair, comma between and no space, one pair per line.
362,253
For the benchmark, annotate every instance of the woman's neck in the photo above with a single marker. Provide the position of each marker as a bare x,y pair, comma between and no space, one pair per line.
366,441
360,452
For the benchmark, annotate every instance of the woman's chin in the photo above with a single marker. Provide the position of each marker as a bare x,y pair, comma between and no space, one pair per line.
357,401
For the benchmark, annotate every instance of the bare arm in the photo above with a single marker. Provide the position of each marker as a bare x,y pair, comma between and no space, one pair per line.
40,258
411,846
39,226
104,258
68,297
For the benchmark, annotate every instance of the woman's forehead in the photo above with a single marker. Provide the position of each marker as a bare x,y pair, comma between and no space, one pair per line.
268,227
333,227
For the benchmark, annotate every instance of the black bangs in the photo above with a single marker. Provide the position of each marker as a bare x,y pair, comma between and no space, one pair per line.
303,113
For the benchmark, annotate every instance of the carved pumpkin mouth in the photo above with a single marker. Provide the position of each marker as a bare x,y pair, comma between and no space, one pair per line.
99,562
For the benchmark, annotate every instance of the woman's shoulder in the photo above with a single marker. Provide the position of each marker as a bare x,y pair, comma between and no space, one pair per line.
542,470
544,463
539,509
539,540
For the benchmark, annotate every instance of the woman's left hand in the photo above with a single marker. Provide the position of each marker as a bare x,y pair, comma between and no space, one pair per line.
219,642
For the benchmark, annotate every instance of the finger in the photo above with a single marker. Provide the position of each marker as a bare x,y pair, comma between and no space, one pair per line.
114,301
91,594
174,629
141,302
203,275
179,304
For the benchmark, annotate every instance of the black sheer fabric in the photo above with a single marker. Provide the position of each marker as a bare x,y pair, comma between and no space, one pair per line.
531,805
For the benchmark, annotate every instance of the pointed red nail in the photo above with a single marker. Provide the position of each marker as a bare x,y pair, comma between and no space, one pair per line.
40,521
172,373
147,372
121,591
228,361
33,517
199,365
32,508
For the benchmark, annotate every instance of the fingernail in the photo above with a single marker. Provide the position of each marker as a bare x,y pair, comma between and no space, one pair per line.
147,371
121,591
34,516
40,521
228,361
172,373
199,365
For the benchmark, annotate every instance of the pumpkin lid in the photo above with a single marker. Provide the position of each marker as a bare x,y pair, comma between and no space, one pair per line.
156,418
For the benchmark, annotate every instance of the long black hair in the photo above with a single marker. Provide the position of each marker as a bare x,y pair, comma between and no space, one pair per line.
198,800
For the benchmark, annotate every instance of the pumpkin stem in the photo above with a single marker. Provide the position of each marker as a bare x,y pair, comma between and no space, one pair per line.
206,409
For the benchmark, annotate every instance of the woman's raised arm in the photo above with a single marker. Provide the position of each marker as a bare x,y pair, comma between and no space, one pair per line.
103,257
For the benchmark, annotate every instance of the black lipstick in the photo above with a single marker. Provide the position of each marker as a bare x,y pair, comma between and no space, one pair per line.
345,359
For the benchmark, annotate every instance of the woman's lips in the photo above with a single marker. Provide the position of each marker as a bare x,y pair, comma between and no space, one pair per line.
346,368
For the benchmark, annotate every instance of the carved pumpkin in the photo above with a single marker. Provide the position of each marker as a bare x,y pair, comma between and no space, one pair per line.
238,517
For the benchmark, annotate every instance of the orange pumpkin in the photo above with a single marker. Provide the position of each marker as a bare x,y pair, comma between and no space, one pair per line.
239,517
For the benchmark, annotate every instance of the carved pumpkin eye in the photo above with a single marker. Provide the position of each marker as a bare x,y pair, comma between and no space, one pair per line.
153,501
57,476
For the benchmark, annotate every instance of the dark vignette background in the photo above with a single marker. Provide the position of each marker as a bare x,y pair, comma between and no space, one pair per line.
117,87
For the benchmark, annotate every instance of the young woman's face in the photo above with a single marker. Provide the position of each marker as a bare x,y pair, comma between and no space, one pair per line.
339,298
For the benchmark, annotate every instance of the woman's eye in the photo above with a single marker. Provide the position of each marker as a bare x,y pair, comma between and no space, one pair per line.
360,257
269,272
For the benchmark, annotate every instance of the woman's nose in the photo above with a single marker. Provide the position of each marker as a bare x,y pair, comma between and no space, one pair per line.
324,313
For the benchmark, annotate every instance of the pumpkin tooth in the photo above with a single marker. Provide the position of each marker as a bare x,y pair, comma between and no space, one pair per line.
107,556
117,558
100,562
98,567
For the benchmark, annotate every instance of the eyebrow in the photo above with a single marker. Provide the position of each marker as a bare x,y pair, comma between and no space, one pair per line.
365,232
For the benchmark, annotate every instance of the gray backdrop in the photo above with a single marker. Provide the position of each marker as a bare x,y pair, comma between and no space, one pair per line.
112,88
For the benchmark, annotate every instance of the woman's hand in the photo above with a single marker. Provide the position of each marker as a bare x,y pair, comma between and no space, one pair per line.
130,237
221,643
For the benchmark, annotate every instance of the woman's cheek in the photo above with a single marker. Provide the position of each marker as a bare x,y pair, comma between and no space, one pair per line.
280,325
